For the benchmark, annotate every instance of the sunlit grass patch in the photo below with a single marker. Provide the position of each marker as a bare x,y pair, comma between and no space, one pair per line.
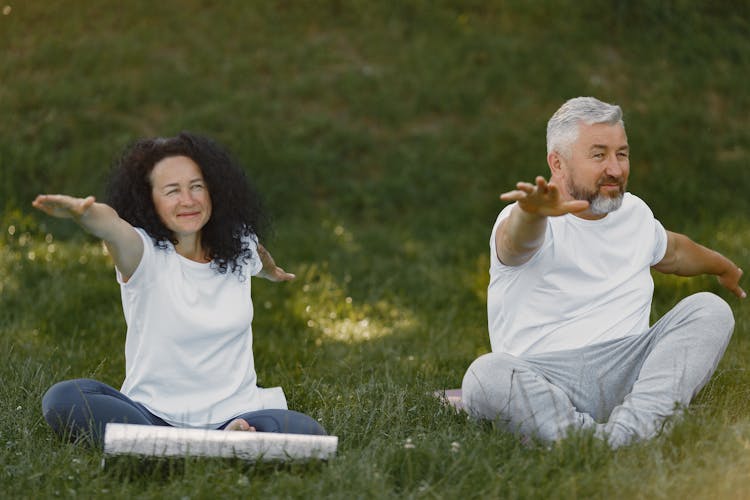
324,306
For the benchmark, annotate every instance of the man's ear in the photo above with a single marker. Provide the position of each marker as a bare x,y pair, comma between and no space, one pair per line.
555,163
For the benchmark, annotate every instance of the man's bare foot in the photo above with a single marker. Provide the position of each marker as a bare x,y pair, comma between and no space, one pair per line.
239,424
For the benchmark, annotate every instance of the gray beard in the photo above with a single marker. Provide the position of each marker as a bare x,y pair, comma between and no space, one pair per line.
598,203
602,205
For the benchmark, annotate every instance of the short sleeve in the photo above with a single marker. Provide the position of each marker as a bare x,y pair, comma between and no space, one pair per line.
254,264
504,214
660,243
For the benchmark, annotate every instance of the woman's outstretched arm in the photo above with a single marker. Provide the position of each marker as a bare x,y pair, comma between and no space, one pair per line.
101,220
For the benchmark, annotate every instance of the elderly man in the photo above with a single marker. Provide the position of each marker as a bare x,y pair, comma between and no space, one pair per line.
570,296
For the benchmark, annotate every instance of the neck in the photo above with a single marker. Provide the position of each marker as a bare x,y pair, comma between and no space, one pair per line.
586,214
191,248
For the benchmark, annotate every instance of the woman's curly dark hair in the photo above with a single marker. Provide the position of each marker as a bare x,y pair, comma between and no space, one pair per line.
237,211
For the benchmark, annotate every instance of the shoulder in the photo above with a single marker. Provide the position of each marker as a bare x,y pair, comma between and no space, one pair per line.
504,214
631,202
250,246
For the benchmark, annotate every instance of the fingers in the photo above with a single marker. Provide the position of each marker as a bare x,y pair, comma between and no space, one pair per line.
738,291
282,275
540,187
513,196
87,202
731,281
60,204
576,206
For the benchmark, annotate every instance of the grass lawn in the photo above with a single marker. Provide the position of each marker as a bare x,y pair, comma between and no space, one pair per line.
381,134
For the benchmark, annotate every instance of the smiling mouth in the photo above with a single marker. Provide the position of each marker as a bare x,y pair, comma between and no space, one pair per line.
189,214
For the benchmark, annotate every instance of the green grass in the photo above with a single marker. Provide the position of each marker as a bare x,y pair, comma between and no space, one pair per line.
381,134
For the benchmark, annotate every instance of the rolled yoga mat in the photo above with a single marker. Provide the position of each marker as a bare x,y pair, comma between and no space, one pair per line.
160,441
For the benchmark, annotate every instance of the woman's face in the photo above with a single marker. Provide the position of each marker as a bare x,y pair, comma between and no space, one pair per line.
180,195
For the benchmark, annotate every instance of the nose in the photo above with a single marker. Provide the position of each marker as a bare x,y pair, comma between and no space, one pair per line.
186,197
613,166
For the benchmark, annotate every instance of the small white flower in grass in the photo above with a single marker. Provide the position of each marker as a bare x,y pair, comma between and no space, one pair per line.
11,230
348,300
408,444
268,304
6,10
455,446
19,408
243,481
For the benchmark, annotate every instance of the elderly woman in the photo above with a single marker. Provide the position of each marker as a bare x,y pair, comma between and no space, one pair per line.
182,226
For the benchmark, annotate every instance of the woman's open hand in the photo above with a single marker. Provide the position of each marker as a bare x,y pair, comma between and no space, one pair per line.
270,270
63,206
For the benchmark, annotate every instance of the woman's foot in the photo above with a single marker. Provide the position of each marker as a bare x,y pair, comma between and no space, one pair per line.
239,424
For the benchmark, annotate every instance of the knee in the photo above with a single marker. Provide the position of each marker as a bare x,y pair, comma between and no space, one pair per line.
62,397
485,389
714,308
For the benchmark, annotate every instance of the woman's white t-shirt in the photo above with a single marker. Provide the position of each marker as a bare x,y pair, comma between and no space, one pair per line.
189,346
589,282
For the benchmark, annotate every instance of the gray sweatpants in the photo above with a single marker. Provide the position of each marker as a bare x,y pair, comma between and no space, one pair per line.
623,388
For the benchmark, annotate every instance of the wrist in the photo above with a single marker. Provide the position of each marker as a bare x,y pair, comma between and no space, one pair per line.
529,217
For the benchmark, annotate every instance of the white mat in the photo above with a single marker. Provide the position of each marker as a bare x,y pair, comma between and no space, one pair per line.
450,397
159,441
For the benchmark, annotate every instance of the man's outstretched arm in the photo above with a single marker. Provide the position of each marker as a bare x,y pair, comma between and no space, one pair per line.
520,235
684,257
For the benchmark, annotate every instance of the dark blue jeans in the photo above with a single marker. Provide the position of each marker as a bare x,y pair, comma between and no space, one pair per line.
80,409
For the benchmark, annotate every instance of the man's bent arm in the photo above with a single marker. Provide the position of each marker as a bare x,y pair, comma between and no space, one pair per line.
519,236
684,257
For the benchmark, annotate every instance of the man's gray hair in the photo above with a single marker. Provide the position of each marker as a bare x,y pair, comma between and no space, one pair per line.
562,128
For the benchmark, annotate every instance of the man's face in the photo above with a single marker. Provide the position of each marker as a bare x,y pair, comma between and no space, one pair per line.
597,168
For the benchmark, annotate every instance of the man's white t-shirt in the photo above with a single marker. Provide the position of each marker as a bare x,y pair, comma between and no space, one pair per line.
589,282
189,346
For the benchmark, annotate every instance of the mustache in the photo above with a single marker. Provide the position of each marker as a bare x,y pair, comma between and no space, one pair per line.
610,180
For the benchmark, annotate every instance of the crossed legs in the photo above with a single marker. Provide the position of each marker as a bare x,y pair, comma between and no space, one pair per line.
81,408
624,389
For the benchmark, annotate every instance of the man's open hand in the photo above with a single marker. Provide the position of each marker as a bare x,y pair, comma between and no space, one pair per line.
543,198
